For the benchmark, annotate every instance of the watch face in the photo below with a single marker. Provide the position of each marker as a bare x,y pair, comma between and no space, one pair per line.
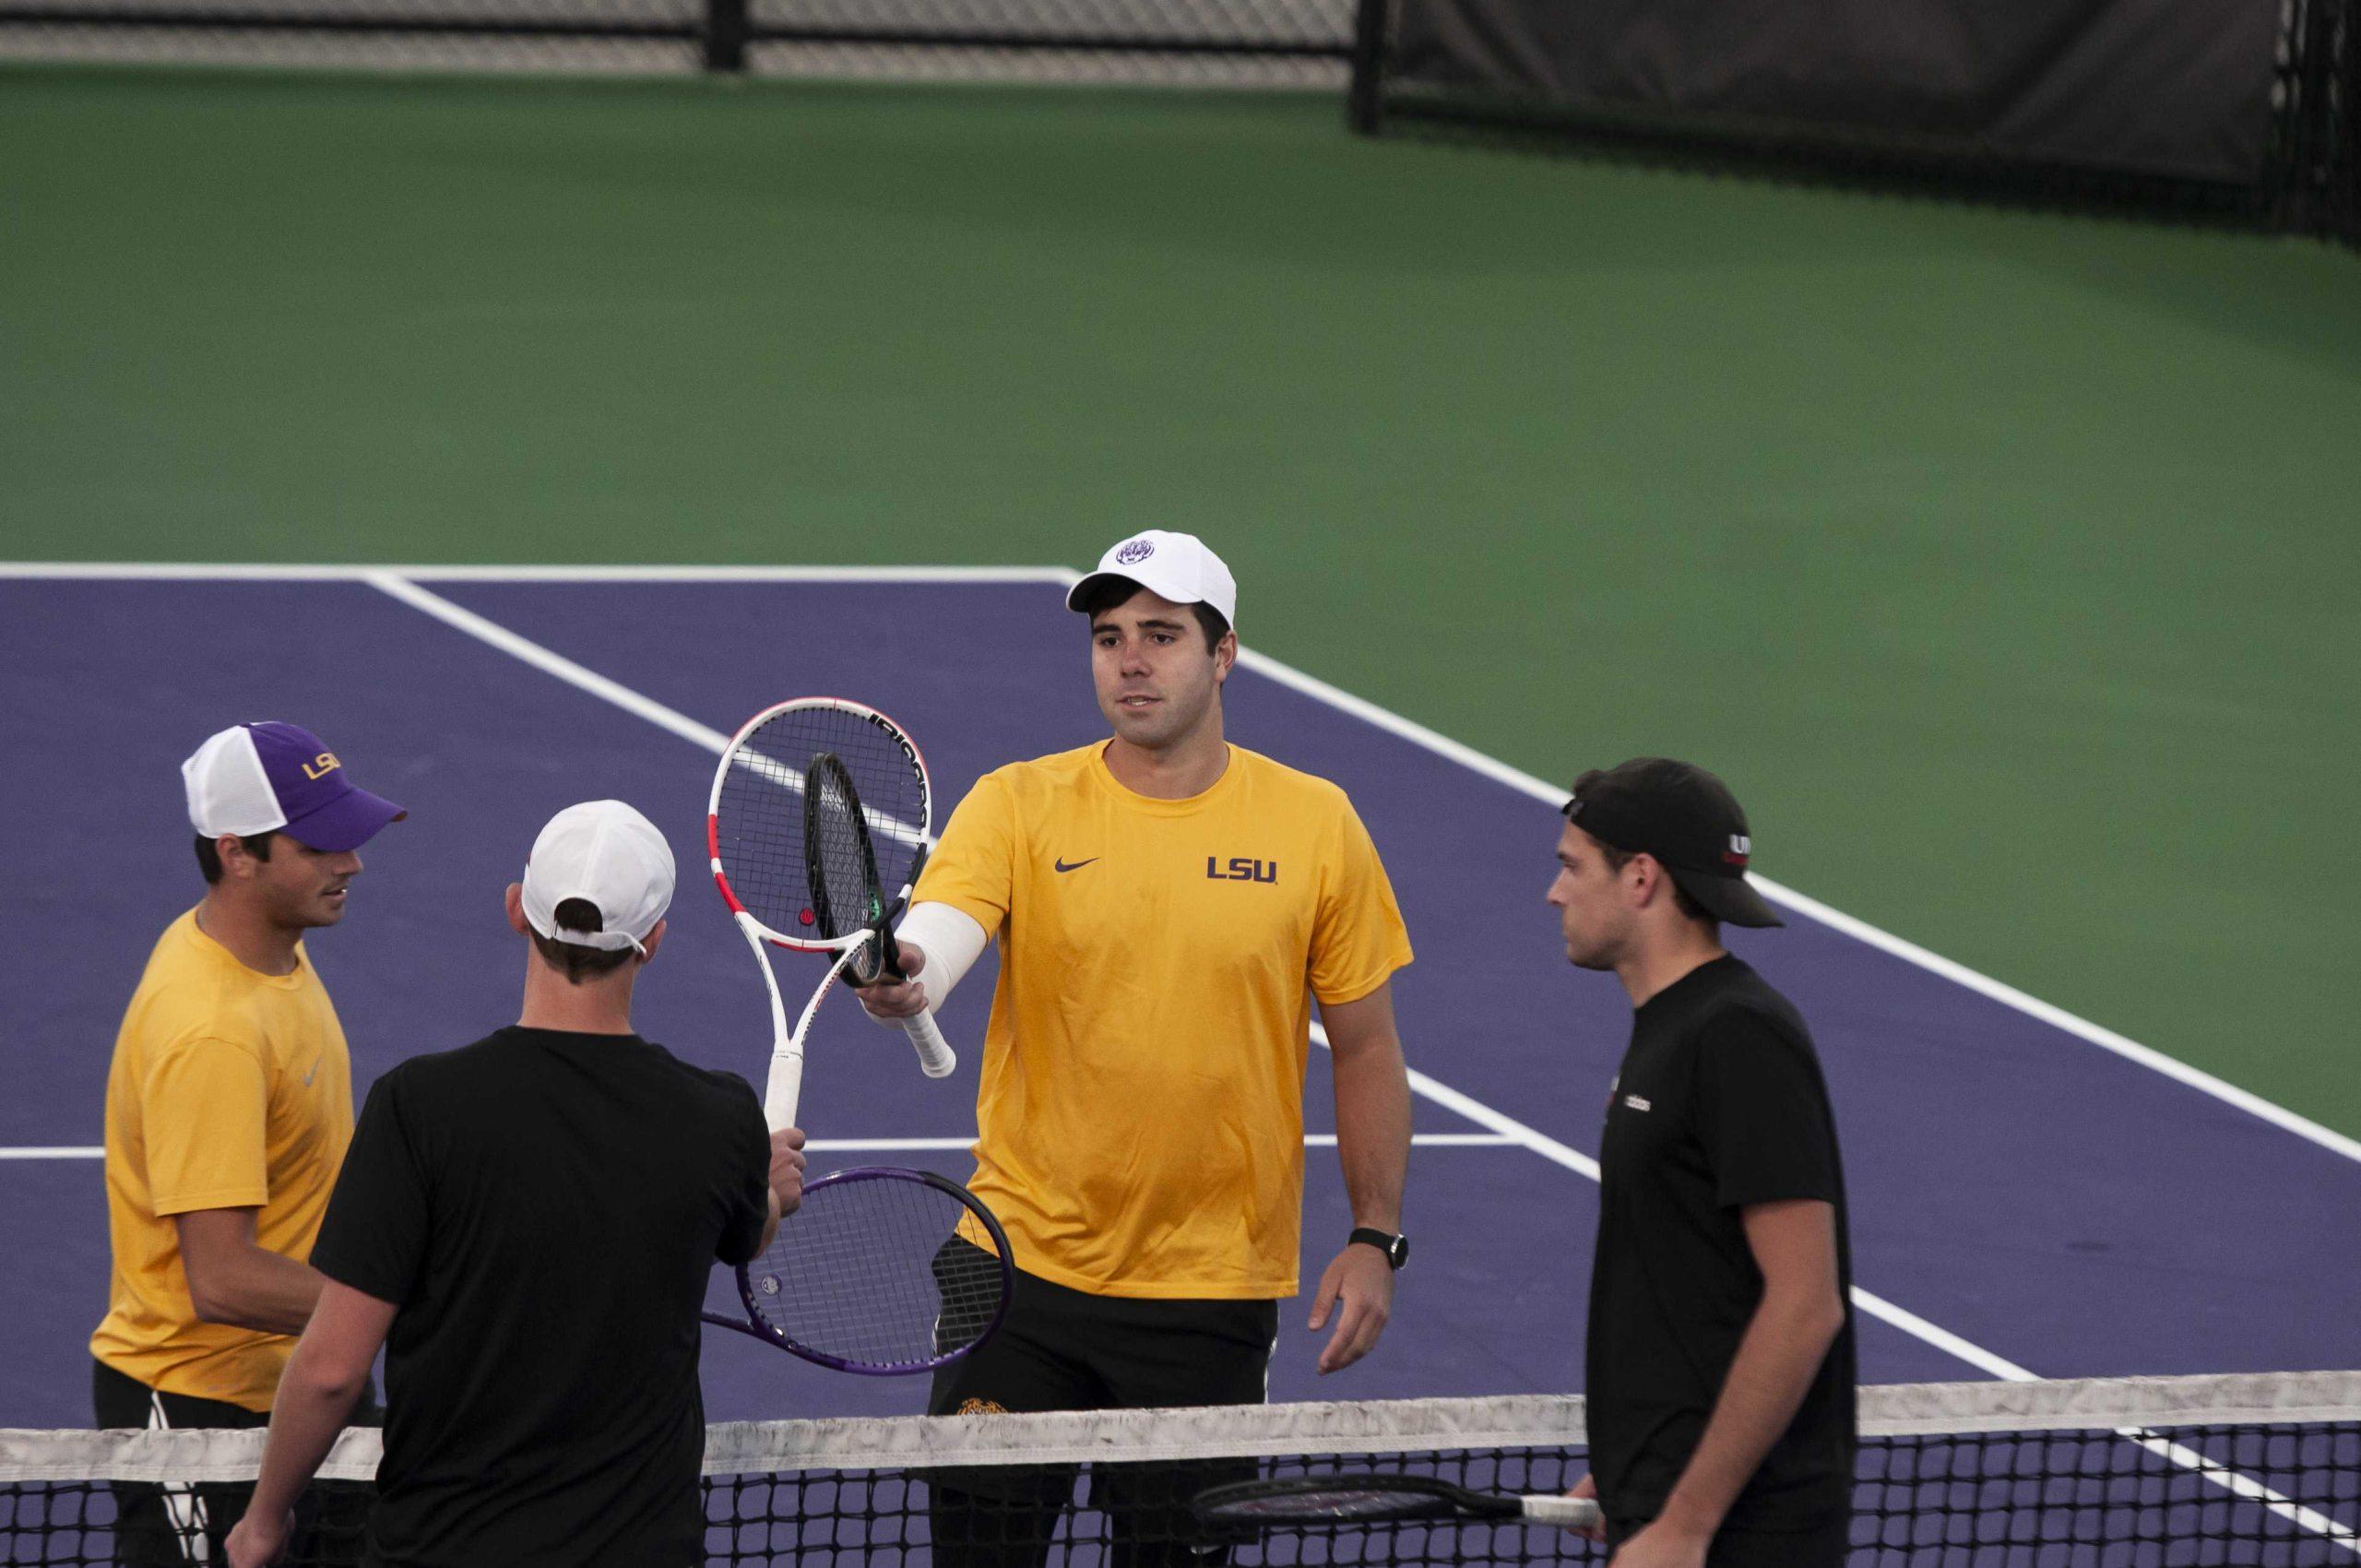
1398,1253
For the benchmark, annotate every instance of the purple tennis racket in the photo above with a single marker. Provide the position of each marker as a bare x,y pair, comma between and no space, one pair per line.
882,1272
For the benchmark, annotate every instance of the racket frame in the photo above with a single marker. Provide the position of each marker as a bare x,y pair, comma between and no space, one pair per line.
784,1088
892,732
1414,1499
754,1325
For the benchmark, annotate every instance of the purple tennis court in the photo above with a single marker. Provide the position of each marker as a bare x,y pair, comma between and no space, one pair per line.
2024,1200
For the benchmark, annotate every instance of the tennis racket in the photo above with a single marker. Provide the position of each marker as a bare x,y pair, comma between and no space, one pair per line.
817,806
1377,1498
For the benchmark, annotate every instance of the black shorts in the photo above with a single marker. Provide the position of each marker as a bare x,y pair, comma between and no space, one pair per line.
1824,1546
1065,1349
159,1525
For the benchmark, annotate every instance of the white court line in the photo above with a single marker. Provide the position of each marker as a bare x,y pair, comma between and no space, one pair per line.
2233,1481
888,1146
265,572
1910,1323
395,580
1583,1165
1442,1094
1859,930
392,579
1262,663
1310,1140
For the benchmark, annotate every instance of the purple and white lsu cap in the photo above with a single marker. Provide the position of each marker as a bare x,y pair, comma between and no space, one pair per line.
276,777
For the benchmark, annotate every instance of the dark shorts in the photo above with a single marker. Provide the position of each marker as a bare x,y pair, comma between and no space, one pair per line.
1824,1547
1064,1350
160,1524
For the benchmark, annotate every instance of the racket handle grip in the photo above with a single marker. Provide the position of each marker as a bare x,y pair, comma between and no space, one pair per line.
1573,1512
935,1058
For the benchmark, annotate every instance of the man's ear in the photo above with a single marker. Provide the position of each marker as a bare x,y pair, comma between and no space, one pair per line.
515,901
235,862
1225,656
1646,875
654,939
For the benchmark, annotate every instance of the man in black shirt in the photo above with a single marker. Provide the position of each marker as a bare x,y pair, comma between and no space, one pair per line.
527,1225
1720,1369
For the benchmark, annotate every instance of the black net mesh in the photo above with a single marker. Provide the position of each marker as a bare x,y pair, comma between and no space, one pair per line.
2231,1470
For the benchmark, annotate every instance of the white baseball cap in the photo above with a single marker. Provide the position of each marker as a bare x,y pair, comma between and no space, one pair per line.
609,854
1176,566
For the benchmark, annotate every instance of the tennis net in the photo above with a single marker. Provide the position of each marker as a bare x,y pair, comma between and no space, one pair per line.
2250,1468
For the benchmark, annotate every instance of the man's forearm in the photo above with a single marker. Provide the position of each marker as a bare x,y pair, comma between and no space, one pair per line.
1777,1359
308,1412
1373,1131
262,1291
259,1289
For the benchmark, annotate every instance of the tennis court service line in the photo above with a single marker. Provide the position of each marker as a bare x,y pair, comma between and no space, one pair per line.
1583,1165
274,572
2235,1483
556,664
1858,930
875,1145
1310,1140
397,585
1262,663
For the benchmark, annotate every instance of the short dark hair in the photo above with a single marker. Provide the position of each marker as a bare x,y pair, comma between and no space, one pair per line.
1109,593
209,855
579,962
1617,859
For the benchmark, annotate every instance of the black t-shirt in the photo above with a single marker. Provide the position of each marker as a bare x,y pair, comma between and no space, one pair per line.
1719,1105
543,1208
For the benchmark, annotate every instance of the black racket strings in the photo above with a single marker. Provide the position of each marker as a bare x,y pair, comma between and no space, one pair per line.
855,1275
761,808
840,866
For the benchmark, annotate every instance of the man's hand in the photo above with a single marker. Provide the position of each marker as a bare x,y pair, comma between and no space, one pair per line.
1358,1288
257,1542
1588,1487
786,1169
892,1004
1661,1544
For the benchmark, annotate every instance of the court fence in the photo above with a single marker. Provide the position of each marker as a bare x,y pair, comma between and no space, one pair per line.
2240,111
2245,113
1215,42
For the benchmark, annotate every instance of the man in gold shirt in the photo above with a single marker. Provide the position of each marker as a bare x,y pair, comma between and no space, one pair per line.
1169,907
228,1107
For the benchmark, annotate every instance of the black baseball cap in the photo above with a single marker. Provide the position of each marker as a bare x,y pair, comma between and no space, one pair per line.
1686,819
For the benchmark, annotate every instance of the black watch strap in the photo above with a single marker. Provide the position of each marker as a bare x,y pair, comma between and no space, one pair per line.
1395,1248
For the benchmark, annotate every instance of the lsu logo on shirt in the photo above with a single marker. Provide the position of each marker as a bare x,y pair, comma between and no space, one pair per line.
1241,868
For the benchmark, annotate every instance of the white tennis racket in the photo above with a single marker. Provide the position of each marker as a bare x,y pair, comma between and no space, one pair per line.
818,806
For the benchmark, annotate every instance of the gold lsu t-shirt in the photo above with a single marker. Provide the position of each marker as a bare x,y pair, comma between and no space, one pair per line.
229,1090
1140,1121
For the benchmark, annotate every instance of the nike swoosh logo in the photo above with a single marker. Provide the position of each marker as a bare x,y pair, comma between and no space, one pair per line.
310,1076
1078,864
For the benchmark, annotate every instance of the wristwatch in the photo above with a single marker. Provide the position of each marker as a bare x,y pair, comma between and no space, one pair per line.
1395,1248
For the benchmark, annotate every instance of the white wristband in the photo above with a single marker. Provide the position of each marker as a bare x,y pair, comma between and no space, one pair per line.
952,942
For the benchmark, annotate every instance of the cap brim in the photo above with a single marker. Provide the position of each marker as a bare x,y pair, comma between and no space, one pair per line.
1074,595
345,823
1729,899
